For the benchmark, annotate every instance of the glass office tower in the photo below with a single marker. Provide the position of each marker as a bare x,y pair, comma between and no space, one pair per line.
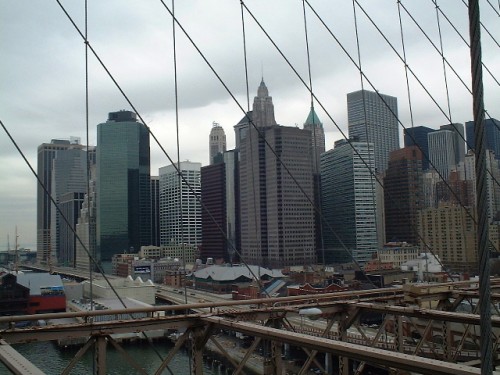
123,185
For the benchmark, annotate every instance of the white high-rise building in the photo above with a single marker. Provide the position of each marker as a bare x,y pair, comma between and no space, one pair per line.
180,209
217,141
373,117
349,202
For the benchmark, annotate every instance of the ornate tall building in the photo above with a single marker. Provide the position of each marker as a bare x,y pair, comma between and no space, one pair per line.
315,126
217,141
277,220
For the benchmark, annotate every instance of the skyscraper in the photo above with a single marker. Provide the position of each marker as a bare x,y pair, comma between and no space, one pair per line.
70,204
123,185
180,209
403,195
69,176
418,136
213,214
155,211
277,220
446,148
349,202
86,226
217,141
315,126
66,176
373,117
492,130
458,138
220,211
241,129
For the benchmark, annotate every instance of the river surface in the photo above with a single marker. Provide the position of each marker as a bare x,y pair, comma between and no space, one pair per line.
49,358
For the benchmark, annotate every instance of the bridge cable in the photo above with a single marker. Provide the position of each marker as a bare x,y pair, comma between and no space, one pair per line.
441,52
315,154
249,137
245,55
405,63
369,138
484,27
482,208
179,176
465,42
94,368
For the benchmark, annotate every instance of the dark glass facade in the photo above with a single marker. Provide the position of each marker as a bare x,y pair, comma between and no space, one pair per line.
492,129
417,136
123,185
213,213
403,195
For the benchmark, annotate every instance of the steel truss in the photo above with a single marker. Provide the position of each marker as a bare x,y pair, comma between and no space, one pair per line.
421,330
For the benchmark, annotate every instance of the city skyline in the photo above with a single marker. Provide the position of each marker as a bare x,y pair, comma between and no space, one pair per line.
45,101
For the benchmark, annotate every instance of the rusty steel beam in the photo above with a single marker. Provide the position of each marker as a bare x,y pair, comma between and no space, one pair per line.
427,313
15,362
70,331
358,352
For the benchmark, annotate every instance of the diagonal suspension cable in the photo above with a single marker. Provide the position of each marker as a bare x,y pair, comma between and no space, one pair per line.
466,42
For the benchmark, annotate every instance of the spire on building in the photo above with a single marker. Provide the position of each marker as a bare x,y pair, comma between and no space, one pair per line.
262,91
314,125
313,119
263,108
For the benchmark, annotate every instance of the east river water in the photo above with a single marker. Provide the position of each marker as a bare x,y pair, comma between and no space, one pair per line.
51,359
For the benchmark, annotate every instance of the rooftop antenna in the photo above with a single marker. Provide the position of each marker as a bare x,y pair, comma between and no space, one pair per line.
16,263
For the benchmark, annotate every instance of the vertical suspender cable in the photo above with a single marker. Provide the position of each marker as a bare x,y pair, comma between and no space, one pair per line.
89,236
443,60
316,177
88,142
245,57
482,208
405,62
257,223
371,155
179,170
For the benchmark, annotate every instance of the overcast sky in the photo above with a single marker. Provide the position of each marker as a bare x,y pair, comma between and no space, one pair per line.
42,75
